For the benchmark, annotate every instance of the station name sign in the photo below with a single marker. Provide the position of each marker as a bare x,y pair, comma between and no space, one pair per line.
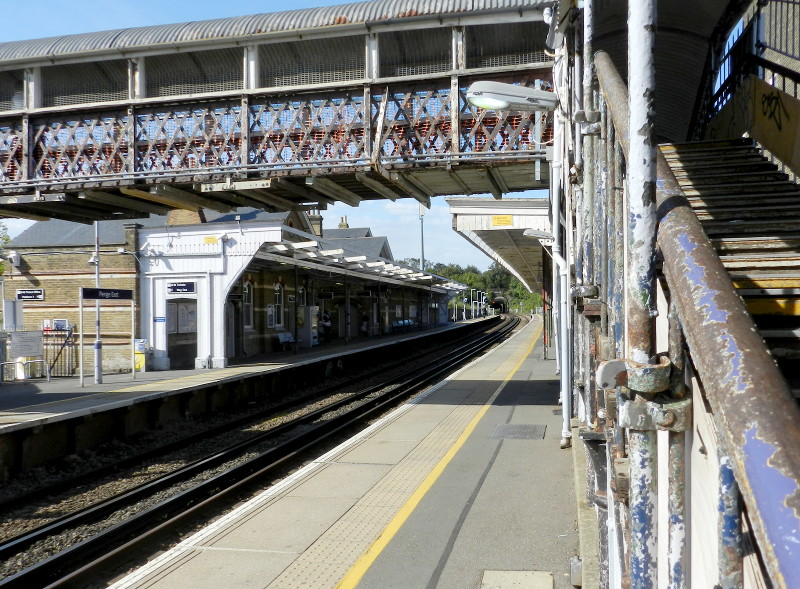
30,294
107,294
181,287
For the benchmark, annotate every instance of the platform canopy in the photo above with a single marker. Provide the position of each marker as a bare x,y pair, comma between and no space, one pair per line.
497,227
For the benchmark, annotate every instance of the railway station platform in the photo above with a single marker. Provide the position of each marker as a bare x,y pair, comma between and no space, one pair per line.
31,400
463,487
43,421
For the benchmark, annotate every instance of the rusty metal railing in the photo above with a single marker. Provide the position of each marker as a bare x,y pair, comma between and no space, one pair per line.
396,125
757,420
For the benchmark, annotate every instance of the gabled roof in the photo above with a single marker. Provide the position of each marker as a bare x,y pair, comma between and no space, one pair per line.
375,247
349,233
58,233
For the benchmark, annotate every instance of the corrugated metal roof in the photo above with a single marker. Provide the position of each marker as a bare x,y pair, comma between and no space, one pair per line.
374,12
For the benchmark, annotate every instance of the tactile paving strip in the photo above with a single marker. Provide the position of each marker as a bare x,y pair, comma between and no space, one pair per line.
344,542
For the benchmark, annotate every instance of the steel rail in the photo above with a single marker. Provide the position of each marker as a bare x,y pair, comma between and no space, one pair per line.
93,475
90,554
757,416
89,514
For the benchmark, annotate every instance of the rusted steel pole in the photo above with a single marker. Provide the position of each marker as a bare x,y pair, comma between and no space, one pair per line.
641,281
742,383
677,554
587,212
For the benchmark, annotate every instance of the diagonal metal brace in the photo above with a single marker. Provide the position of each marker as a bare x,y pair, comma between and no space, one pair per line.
642,378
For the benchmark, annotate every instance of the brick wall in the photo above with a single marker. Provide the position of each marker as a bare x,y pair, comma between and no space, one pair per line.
61,272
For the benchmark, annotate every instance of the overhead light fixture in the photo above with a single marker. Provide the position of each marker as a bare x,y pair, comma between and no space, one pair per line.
545,237
93,260
501,96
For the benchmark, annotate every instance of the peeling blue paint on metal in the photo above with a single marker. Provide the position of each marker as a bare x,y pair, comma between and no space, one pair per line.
772,490
730,513
696,275
643,509
734,357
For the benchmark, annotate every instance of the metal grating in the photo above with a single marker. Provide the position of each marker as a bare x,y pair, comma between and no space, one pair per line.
82,83
11,90
10,152
310,130
194,72
518,431
417,123
207,136
316,61
509,45
409,53
81,146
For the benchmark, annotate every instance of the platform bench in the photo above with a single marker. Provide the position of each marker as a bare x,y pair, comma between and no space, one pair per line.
285,338
402,325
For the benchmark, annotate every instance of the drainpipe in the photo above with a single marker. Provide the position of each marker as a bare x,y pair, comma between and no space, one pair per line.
563,285
640,283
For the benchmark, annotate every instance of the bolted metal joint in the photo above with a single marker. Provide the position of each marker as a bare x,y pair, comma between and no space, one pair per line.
591,129
621,479
642,378
587,116
649,416
584,291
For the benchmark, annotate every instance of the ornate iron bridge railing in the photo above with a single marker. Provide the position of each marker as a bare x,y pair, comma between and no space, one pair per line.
391,126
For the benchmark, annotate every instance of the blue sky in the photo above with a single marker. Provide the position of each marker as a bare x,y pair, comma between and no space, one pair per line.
398,221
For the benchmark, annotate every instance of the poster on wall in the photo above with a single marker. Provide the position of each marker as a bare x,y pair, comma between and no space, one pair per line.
187,317
398,310
172,318
270,316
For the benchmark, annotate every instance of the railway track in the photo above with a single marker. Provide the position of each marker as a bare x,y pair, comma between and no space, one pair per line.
32,492
211,480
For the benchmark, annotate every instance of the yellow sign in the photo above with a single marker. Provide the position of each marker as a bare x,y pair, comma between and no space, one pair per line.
209,239
502,220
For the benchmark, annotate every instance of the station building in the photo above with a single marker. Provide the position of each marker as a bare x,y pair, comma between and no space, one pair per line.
211,289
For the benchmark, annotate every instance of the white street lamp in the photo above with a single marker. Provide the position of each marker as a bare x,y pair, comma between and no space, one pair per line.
501,96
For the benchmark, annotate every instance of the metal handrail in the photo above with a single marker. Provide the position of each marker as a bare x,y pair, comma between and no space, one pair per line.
758,421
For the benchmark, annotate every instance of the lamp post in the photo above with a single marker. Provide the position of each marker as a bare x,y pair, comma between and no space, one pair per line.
472,303
422,237
500,96
98,344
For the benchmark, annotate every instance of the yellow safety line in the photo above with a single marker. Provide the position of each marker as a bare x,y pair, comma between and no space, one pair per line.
360,568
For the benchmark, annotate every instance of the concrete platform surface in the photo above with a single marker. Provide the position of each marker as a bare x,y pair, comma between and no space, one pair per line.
465,487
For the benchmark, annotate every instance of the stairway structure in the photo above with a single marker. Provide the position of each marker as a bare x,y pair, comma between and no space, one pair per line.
750,211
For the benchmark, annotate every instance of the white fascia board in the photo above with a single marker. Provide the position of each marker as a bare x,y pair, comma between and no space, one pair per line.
480,244
299,245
